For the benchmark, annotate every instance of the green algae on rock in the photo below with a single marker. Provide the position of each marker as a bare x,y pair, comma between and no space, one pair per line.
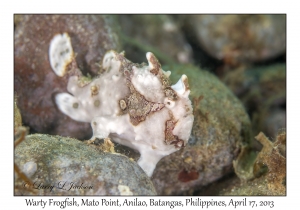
64,166
221,130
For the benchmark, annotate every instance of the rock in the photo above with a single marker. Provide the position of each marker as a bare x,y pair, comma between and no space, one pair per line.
159,34
221,130
274,122
242,38
58,161
263,92
34,80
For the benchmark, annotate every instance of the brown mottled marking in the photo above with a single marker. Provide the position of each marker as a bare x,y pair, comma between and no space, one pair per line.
170,138
171,94
126,65
155,63
165,81
71,68
139,107
186,83
135,103
120,57
157,107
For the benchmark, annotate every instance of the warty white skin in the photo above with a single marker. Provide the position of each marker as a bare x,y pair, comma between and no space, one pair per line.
107,120
60,53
